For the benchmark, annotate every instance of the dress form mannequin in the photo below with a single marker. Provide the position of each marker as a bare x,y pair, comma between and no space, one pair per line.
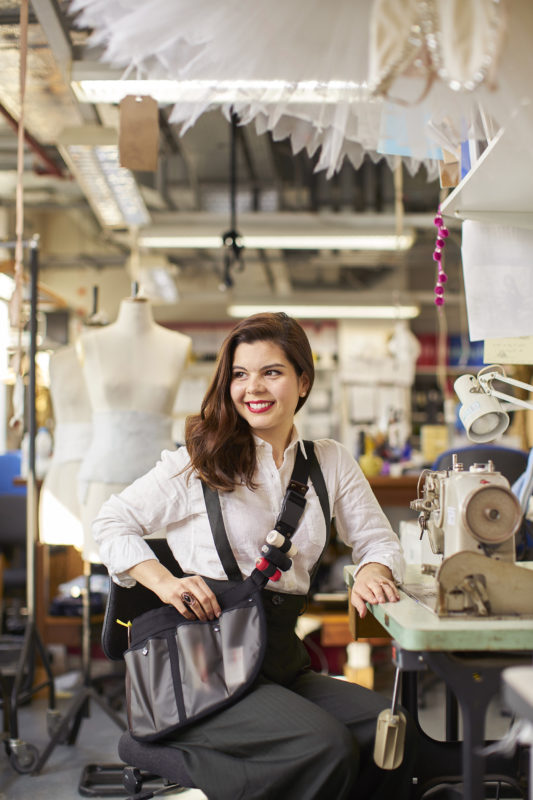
59,508
132,369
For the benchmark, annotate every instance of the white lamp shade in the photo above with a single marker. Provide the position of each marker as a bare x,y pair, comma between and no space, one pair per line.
480,413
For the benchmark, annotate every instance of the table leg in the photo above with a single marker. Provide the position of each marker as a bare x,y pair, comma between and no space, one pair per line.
474,684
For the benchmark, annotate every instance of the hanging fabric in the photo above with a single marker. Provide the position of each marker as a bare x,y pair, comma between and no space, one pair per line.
332,87
15,305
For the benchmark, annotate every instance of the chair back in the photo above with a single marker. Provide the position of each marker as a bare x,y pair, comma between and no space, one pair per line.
510,462
12,520
126,604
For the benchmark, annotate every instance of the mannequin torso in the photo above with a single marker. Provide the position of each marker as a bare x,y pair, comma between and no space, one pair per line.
134,363
59,508
132,369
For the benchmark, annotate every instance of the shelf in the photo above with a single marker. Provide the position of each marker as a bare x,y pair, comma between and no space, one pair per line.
394,491
450,369
498,189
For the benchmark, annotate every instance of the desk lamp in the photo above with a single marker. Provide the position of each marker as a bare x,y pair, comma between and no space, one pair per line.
483,415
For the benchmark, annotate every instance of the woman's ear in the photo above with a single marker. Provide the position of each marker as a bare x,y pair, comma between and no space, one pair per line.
304,385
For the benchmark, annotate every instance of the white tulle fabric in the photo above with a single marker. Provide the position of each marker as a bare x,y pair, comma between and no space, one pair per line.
356,41
71,440
124,445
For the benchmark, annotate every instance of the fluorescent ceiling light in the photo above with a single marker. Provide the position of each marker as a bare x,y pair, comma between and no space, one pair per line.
91,153
329,312
158,284
282,242
90,90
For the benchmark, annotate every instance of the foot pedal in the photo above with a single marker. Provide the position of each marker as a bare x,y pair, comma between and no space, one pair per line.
390,733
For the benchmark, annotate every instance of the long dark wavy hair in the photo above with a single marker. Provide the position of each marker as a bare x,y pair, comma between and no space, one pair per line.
218,439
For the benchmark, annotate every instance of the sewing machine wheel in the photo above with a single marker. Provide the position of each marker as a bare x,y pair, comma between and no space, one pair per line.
492,514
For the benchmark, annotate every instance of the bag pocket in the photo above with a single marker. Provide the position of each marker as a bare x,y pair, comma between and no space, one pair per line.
218,659
150,693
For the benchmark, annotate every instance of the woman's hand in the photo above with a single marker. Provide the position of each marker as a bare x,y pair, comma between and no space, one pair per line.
373,584
191,596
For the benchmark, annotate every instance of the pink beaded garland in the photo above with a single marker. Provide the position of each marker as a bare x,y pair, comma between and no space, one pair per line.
442,235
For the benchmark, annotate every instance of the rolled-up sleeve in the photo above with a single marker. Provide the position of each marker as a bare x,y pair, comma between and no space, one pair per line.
360,521
148,505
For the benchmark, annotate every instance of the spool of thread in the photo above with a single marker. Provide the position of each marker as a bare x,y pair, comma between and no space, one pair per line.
270,570
282,542
278,558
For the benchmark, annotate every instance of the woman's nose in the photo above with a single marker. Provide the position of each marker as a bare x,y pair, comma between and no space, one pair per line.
254,384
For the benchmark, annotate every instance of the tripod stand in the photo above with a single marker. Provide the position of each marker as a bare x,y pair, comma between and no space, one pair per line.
68,729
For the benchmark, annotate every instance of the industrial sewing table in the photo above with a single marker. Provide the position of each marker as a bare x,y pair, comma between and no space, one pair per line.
468,654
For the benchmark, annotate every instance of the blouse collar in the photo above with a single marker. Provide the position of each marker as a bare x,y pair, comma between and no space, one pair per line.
295,440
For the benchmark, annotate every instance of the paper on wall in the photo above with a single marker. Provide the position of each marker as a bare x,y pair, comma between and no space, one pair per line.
498,278
518,350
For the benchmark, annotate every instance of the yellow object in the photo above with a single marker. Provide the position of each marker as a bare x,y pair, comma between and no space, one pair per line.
364,676
370,463
433,441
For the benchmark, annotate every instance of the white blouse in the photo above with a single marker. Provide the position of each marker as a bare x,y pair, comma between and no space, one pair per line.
167,498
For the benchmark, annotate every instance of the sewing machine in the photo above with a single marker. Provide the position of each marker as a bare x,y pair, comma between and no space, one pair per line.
471,518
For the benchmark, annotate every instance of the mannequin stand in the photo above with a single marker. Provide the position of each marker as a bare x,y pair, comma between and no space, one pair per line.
22,755
68,729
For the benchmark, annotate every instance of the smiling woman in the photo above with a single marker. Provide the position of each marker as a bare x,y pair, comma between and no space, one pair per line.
294,733
265,390
266,358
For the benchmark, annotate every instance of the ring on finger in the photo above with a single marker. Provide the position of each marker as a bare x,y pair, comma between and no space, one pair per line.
188,598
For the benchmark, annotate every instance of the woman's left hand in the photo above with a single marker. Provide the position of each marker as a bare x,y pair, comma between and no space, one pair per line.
373,584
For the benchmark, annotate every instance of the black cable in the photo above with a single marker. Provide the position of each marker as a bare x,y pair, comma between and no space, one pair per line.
231,238
233,172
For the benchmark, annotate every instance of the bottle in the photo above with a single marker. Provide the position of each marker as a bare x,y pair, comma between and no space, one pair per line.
370,463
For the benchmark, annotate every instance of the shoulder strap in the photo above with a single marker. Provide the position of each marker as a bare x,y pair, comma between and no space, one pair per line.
218,529
317,478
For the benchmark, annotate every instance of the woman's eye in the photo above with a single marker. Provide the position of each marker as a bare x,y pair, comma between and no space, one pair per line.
273,372
237,374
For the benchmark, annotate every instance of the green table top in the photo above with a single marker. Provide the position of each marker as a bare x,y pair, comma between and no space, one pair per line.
417,628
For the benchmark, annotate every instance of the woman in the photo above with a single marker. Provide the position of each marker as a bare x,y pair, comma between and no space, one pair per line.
297,734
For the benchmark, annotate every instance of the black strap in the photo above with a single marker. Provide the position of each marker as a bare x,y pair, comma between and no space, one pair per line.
289,516
317,478
218,529
294,501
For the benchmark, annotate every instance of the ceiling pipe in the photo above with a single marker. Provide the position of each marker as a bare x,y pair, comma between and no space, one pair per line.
51,166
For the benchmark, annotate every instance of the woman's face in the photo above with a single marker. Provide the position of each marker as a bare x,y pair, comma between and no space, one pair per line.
265,389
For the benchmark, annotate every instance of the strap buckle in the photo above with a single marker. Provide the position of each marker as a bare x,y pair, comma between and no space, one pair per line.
296,486
291,511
